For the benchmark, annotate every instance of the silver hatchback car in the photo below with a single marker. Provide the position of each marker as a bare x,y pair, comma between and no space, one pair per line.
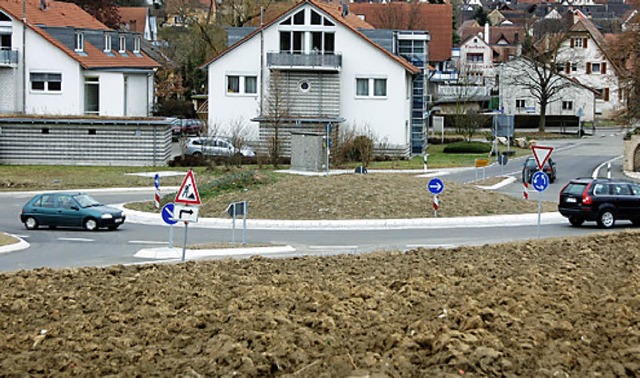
214,146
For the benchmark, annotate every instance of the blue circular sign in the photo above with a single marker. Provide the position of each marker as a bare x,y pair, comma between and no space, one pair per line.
167,214
435,185
540,181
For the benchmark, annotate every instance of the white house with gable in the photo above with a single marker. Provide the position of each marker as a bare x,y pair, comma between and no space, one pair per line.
317,60
71,63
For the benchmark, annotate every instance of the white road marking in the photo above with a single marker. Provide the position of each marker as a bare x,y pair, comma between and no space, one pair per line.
333,247
22,236
431,246
76,239
147,242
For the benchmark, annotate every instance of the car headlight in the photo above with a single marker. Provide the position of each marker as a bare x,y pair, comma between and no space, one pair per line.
106,216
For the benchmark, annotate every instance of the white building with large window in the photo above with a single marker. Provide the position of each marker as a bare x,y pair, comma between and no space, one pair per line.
62,61
315,66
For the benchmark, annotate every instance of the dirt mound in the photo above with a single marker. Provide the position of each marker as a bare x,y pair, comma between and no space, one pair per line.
563,307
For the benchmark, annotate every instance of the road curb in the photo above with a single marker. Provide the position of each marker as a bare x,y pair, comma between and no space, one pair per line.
18,246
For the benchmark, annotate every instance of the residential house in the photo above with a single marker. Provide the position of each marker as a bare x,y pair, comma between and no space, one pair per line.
62,61
583,57
139,20
517,86
183,12
316,61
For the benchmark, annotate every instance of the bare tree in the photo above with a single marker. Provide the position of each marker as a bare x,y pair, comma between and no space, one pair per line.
538,72
278,103
465,118
238,135
625,54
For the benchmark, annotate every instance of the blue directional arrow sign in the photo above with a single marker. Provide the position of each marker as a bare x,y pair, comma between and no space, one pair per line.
167,214
540,181
435,185
156,181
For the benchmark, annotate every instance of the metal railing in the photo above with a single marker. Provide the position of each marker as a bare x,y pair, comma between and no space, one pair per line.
313,60
8,57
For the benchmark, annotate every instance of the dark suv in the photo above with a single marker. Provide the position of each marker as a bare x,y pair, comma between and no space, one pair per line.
601,200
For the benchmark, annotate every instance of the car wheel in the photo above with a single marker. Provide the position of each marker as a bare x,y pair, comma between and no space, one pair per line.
90,224
575,221
197,154
606,218
31,223
114,227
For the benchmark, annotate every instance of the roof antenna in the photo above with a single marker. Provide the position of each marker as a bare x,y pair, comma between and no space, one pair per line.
345,8
43,5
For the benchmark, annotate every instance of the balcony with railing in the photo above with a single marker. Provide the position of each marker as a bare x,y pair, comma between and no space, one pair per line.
312,61
8,58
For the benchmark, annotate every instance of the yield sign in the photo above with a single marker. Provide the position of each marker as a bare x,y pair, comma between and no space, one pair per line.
188,192
541,153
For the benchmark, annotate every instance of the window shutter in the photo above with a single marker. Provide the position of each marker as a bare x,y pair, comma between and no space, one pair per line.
571,42
584,42
606,94
567,67
588,67
604,68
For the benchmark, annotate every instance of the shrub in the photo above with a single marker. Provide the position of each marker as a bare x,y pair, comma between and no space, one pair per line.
467,148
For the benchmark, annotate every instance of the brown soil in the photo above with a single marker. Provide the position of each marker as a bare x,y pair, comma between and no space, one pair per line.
550,308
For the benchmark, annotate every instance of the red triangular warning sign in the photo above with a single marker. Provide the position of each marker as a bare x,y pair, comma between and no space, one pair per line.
541,153
188,192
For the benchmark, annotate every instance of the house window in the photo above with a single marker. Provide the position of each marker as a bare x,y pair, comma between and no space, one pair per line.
318,38
595,68
122,43
559,67
577,42
567,105
107,43
79,42
475,58
46,82
251,84
362,87
380,87
574,67
237,84
136,44
370,87
520,104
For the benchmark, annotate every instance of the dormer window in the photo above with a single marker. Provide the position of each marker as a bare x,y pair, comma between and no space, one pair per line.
122,44
136,44
79,42
107,43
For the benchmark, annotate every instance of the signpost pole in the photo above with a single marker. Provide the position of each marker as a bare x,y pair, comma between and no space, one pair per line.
156,197
184,244
244,223
171,236
233,227
539,211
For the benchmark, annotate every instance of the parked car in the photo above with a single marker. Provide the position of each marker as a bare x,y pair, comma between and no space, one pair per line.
189,126
214,146
69,210
601,200
530,166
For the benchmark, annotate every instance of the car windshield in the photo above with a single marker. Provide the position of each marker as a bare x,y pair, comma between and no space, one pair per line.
85,200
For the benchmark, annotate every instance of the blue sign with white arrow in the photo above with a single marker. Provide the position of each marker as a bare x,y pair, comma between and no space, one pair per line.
435,185
167,214
156,181
540,181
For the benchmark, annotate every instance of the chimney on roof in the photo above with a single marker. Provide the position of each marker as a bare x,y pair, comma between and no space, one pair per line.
345,8
487,40
43,5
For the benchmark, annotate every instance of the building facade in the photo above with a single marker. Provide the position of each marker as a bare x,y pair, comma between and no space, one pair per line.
62,61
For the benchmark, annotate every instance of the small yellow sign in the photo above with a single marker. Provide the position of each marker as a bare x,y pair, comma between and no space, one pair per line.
482,163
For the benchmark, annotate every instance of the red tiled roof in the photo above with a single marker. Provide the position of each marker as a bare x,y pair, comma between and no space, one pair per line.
496,33
435,18
330,9
133,18
60,14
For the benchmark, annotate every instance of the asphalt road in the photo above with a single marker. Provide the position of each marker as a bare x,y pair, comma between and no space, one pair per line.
74,248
